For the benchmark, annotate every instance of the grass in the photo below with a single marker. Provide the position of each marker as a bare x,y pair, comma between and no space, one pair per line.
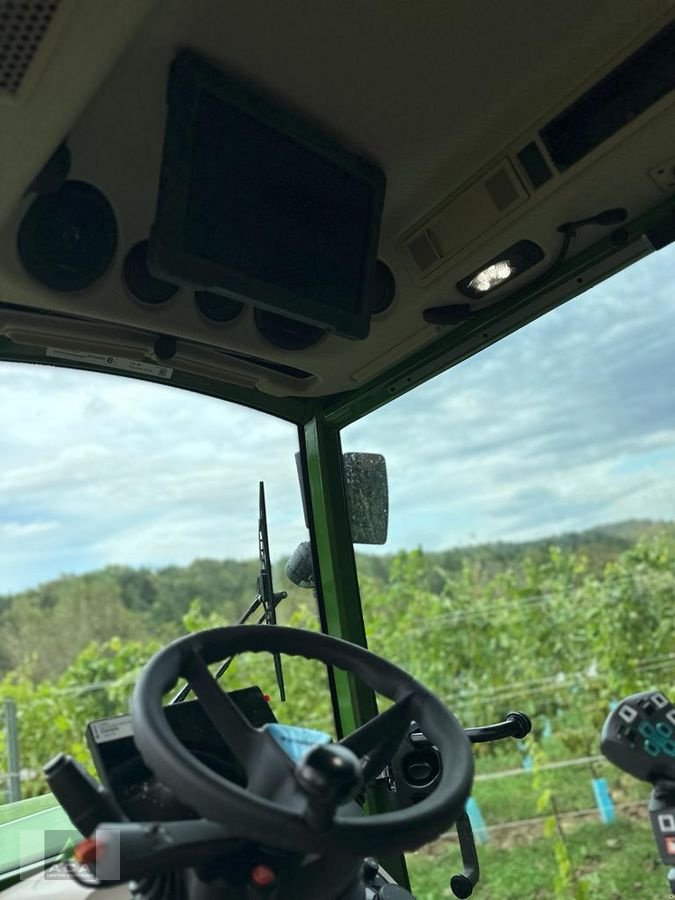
513,798
617,861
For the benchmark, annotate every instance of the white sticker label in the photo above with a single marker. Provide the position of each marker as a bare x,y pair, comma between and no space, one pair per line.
112,729
628,714
667,822
112,362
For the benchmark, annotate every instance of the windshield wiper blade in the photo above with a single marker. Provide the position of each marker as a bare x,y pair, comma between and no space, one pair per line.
265,598
266,593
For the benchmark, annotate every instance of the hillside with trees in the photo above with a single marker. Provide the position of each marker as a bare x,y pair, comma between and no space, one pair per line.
588,618
144,604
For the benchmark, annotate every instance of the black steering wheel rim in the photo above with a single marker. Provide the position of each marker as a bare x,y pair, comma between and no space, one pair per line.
249,816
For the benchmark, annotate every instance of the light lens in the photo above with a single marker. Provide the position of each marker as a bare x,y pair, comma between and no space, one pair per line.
493,275
503,267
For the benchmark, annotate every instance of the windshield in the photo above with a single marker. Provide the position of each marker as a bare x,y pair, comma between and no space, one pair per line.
530,565
128,517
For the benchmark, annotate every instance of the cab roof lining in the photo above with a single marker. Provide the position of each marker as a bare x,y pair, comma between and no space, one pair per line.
435,93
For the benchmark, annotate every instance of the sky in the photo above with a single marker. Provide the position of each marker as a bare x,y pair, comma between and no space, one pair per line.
566,424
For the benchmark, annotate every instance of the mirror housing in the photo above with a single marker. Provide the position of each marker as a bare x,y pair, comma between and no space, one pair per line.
367,494
367,490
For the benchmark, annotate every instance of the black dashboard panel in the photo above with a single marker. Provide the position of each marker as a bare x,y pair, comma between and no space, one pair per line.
138,792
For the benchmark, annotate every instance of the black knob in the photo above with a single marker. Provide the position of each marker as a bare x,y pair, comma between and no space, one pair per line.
332,768
522,725
165,347
85,801
461,886
330,775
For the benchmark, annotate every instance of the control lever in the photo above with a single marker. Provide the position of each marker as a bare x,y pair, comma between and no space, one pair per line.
379,884
330,775
135,850
639,738
462,885
86,802
516,725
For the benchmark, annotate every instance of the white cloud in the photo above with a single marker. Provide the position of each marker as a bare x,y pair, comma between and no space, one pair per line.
565,424
10,531
134,473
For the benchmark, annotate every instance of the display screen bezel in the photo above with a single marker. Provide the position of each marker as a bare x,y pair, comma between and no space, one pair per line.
190,78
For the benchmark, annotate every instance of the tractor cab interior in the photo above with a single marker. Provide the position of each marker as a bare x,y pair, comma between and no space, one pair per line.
310,211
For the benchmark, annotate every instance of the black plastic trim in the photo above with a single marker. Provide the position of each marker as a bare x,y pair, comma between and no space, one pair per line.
621,96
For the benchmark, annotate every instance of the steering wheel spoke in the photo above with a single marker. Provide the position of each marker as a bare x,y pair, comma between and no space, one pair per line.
376,742
226,717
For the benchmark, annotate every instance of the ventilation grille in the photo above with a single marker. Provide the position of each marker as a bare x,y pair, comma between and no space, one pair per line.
268,364
23,25
462,218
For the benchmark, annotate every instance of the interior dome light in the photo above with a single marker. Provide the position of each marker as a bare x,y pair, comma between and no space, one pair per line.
492,276
512,261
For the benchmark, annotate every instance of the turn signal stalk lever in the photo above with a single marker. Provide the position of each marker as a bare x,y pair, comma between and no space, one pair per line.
86,802
516,725
462,885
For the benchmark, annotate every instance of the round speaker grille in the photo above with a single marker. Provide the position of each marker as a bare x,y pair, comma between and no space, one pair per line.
23,24
382,289
67,239
139,280
216,308
286,333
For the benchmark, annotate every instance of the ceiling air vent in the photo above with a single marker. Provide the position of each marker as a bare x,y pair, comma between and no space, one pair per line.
621,96
423,252
23,26
463,217
281,368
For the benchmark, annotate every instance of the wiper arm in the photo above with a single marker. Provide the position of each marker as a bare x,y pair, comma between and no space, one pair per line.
265,598
266,593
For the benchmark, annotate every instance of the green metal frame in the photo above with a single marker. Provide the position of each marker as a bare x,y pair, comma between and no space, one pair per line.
339,598
338,586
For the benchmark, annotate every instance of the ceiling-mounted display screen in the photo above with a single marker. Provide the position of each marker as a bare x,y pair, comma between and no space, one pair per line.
258,205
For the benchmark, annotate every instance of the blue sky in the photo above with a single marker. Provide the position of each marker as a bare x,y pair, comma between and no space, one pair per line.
568,423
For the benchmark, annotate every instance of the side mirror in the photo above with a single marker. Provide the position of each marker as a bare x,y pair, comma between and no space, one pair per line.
367,491
367,496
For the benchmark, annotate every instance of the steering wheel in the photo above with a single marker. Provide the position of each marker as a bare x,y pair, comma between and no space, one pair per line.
271,809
